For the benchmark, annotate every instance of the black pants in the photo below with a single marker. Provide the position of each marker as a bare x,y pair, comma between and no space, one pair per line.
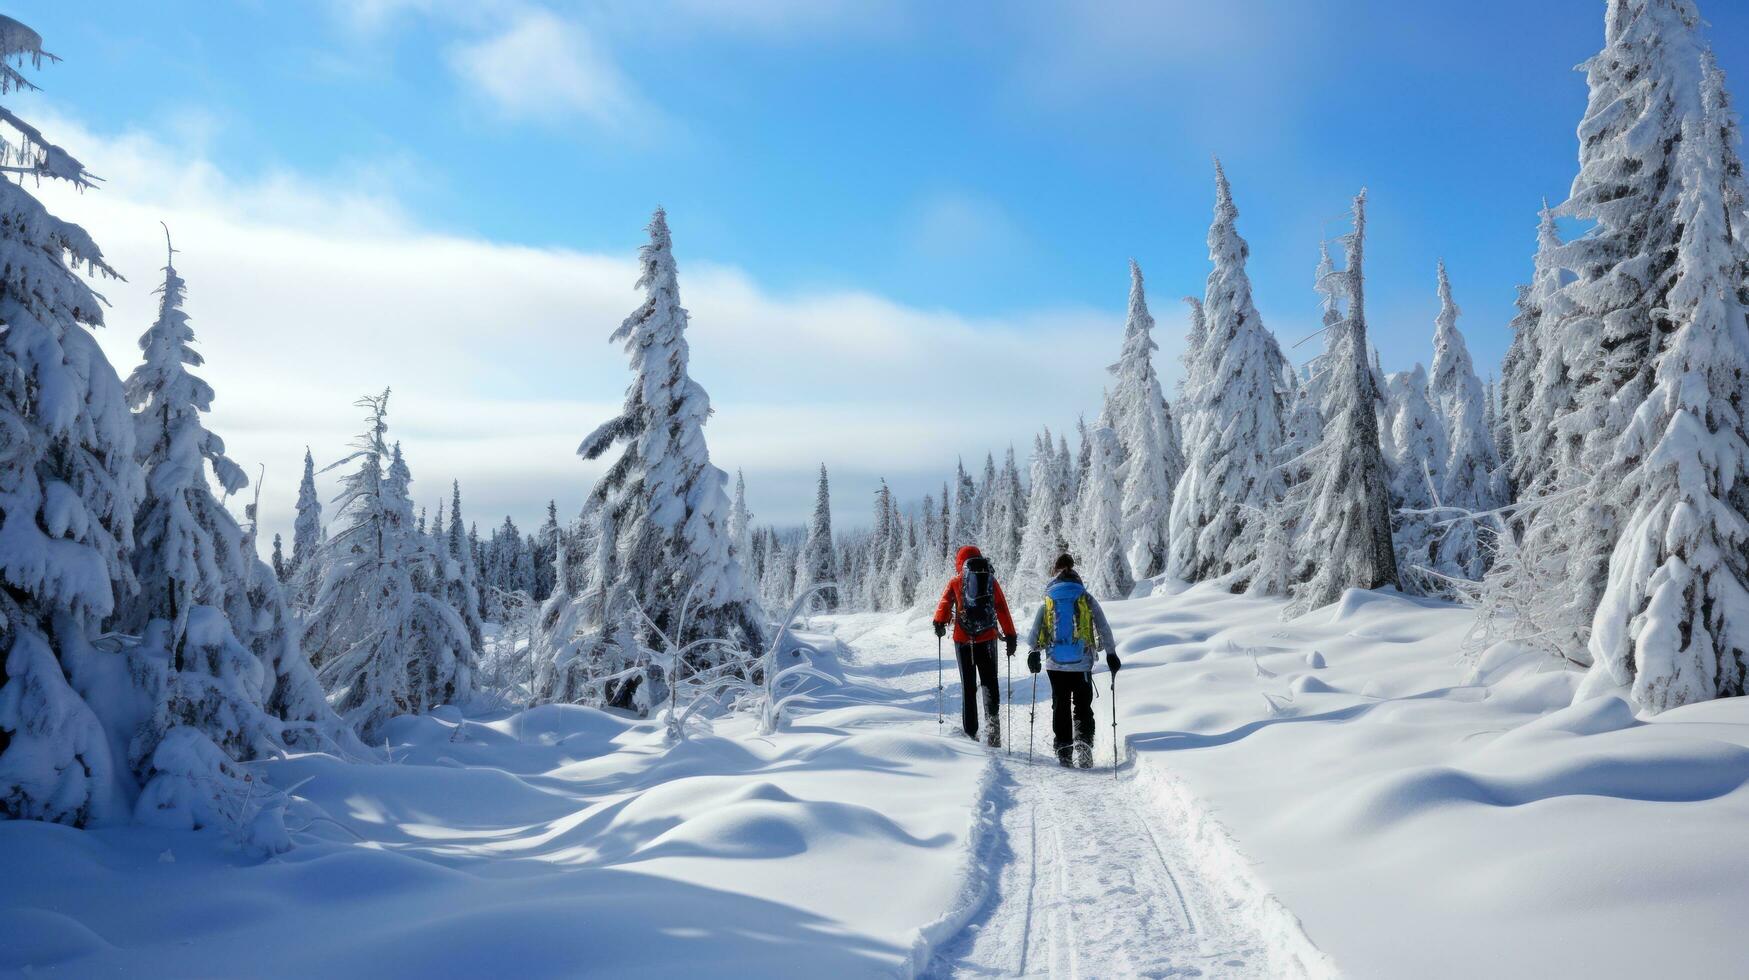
1071,695
978,675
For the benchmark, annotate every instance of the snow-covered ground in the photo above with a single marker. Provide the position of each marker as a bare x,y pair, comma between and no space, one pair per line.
1336,794
556,842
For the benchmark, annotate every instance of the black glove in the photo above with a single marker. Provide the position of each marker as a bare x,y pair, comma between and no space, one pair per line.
940,629
1012,643
1112,663
1032,662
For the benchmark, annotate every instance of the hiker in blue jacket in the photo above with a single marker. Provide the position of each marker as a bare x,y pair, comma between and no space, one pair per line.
1067,631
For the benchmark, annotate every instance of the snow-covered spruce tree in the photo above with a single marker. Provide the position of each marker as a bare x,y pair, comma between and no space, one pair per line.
1195,338
1674,619
306,560
874,586
215,637
1006,512
740,524
817,562
1644,90
1534,387
1231,475
68,488
903,581
1347,537
1099,520
660,514
1153,462
278,561
963,525
1413,439
386,643
1469,464
1043,540
982,496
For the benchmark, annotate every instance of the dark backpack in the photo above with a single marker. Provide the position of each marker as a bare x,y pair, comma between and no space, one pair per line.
977,597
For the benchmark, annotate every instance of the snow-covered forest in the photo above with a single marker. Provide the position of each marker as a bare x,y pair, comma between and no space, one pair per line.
1584,503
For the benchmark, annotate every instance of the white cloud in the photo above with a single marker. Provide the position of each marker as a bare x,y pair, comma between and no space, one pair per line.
541,66
305,294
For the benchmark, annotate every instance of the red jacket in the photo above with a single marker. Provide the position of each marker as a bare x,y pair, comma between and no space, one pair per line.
952,600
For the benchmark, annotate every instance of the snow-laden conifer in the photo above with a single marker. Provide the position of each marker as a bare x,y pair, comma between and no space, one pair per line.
1231,474
1674,619
1043,540
1153,461
1099,552
385,642
1644,87
740,523
1347,537
660,512
1413,439
1468,470
305,569
817,563
68,483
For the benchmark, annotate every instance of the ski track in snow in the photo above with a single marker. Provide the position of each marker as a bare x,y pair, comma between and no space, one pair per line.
1092,882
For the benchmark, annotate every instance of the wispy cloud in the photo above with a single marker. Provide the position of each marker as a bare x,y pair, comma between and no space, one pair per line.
541,66
305,293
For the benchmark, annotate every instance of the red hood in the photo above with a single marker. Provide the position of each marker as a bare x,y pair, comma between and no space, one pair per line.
966,553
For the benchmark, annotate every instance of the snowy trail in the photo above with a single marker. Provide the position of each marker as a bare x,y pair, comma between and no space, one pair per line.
1091,881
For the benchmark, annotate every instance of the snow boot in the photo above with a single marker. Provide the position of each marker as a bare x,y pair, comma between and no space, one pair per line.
1083,755
992,732
1065,757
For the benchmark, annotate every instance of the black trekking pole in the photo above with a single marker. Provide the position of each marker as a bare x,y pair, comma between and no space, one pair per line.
939,690
1114,740
1008,716
1031,716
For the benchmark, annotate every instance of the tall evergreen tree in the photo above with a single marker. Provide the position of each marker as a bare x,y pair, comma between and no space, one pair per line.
660,513
1644,88
1468,471
1413,440
1043,540
385,642
1347,540
1099,520
1231,477
1153,461
306,564
740,522
1674,618
817,563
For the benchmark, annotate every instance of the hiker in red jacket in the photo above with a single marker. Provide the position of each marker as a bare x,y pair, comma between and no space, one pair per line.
974,604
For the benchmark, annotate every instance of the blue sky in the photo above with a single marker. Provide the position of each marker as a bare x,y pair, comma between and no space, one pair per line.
981,165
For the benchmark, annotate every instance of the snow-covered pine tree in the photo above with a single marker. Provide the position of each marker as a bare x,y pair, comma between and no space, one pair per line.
1153,462
1674,619
386,643
982,496
1644,89
1007,511
278,561
68,485
1099,520
660,512
1231,475
1347,538
1413,439
1528,435
740,523
817,562
875,586
904,578
543,554
1043,540
306,562
963,526
1468,473
1195,338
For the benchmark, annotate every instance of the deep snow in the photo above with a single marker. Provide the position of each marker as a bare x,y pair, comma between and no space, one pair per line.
1334,793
